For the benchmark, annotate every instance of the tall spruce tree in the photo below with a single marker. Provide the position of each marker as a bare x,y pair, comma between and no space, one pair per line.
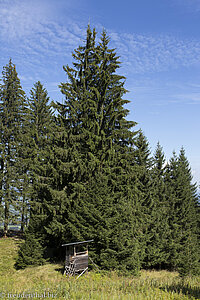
92,191
103,138
39,154
157,241
183,223
189,259
143,165
12,111
99,140
23,162
42,127
171,176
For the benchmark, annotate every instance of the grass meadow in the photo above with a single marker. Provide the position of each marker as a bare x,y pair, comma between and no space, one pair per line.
48,282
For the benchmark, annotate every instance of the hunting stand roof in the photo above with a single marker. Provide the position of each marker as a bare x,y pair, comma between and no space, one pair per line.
78,243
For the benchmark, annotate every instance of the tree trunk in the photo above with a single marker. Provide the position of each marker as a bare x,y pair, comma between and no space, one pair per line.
23,214
6,218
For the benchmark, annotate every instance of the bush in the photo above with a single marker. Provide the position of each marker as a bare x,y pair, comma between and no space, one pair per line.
30,253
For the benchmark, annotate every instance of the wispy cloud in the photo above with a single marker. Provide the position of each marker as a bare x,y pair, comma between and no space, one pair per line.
188,98
31,33
19,19
143,53
31,25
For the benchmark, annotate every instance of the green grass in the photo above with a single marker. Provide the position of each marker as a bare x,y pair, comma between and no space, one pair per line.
35,281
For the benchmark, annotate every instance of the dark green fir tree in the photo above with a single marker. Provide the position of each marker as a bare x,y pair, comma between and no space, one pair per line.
186,190
143,165
157,241
91,190
31,252
12,112
39,152
183,223
99,140
42,128
97,122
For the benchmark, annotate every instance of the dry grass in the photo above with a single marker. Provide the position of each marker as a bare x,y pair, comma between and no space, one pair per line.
34,282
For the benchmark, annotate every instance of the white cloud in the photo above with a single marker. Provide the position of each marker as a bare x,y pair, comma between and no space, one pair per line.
192,98
19,19
145,53
31,33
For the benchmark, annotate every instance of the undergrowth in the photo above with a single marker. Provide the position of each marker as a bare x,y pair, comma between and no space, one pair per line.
48,281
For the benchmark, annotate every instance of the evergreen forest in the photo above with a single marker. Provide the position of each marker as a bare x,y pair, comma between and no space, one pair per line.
79,170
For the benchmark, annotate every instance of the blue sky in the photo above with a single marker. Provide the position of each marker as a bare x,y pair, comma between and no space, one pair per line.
159,46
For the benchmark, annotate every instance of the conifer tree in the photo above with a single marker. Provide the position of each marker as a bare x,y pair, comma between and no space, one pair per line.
142,151
171,176
42,127
39,154
184,245
41,117
39,143
30,252
91,192
157,241
23,163
186,191
23,166
12,104
96,120
148,171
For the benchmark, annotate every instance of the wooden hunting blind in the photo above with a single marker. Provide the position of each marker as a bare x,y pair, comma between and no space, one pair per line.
76,259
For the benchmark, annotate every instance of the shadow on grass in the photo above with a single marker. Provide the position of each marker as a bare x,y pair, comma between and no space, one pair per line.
13,233
60,270
184,289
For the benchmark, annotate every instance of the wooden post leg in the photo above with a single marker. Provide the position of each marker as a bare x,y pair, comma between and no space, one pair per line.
82,272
